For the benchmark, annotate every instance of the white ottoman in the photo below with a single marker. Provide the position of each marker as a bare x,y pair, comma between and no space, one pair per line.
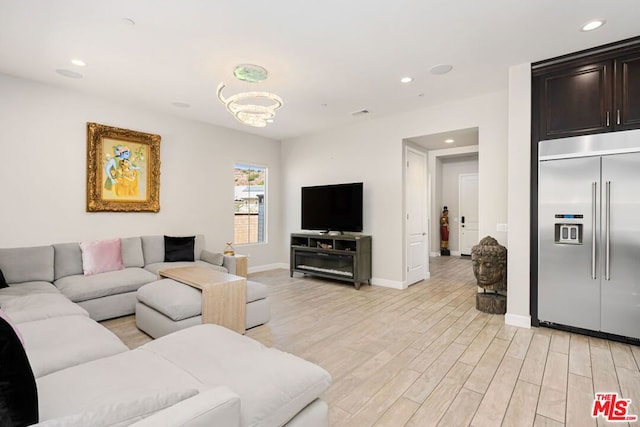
166,306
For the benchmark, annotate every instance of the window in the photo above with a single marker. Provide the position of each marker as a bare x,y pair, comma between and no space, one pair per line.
250,201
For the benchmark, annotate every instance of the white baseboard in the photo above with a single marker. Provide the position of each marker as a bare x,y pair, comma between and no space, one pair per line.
434,254
267,267
517,320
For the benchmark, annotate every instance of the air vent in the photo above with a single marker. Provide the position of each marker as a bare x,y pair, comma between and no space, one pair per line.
360,112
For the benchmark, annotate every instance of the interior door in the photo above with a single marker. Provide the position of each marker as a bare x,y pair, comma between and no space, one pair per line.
416,199
620,283
468,203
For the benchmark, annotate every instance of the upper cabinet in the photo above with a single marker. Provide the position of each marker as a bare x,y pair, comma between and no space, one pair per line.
587,94
576,100
627,92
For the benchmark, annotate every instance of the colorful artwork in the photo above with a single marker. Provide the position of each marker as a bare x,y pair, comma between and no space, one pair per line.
123,170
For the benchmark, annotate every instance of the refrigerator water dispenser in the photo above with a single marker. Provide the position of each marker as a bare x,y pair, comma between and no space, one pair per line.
568,234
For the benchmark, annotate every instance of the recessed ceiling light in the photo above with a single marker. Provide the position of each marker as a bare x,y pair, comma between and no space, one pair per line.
269,120
449,141
441,69
180,104
78,62
69,73
592,25
406,79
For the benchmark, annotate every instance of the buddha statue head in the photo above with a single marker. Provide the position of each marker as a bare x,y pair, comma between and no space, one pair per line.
489,260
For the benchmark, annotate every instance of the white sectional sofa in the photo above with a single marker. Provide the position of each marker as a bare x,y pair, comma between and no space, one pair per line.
113,294
204,375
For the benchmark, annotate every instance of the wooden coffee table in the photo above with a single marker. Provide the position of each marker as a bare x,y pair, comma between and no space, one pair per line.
224,296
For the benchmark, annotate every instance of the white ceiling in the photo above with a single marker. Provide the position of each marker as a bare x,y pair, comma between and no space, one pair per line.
326,58
436,141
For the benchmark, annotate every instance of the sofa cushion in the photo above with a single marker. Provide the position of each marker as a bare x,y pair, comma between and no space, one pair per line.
27,264
179,248
27,288
154,268
68,259
101,256
18,392
132,252
130,373
175,300
81,288
3,281
122,411
58,343
273,385
152,249
217,406
255,291
38,306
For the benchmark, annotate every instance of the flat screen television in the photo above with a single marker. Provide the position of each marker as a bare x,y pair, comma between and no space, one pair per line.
332,207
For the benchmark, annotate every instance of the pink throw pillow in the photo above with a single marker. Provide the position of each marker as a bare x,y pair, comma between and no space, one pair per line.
101,256
10,322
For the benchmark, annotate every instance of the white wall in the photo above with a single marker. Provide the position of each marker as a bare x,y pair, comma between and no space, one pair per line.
519,175
43,174
371,151
449,192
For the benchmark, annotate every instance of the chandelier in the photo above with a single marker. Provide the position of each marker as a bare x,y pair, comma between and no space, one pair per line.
253,108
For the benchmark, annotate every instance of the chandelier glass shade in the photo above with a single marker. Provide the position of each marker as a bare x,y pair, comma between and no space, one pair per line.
252,108
245,106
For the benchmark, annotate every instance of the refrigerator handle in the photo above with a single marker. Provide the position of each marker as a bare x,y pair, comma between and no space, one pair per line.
594,187
607,251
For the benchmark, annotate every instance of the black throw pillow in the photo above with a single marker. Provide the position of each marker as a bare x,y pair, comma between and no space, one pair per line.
18,393
3,281
178,248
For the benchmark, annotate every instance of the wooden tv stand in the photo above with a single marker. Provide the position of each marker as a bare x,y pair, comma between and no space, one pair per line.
342,257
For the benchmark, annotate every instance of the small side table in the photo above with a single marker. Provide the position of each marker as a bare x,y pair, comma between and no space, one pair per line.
241,265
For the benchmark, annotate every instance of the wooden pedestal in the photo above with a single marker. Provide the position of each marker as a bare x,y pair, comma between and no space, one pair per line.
489,302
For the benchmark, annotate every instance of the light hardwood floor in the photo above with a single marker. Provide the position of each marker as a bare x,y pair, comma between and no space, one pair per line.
425,356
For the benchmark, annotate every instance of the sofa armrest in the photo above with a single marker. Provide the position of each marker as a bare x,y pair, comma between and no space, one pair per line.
229,263
217,406
215,258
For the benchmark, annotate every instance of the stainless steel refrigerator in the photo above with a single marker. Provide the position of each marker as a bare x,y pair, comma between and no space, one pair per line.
589,232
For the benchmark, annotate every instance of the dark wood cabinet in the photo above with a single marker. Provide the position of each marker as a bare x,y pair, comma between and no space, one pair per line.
583,96
575,100
627,92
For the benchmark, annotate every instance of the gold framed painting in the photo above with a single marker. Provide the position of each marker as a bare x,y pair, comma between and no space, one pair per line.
123,170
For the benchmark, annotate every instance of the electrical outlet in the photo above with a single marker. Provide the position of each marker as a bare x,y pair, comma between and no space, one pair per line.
502,227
